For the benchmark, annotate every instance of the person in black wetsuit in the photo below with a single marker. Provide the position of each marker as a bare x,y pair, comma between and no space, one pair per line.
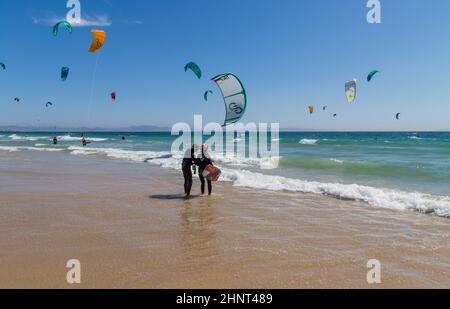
202,163
55,140
186,166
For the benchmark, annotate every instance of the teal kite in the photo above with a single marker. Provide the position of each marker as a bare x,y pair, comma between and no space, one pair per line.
66,24
205,96
194,68
3,65
372,74
64,73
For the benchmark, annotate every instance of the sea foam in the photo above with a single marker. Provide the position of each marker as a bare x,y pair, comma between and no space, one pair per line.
16,137
69,138
306,141
377,197
19,148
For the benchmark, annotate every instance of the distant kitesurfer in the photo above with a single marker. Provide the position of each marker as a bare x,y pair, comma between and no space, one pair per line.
84,141
55,140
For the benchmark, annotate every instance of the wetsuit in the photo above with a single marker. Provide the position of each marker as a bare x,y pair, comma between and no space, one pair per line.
187,172
202,163
55,141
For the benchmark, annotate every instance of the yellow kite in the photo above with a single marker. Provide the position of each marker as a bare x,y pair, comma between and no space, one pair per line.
311,109
99,40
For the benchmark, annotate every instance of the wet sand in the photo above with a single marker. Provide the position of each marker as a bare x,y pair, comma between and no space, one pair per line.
130,227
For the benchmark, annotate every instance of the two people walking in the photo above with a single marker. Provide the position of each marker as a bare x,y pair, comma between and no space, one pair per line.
190,163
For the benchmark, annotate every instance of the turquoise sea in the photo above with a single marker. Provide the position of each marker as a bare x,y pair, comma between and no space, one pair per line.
407,170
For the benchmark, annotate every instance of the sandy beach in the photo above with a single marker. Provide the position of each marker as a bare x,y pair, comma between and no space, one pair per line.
322,125
130,227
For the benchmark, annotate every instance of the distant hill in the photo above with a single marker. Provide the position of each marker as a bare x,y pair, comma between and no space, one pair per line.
83,129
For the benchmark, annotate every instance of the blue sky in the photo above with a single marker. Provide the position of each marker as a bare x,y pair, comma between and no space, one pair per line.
288,54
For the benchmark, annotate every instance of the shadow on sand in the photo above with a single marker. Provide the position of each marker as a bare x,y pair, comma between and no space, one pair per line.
167,197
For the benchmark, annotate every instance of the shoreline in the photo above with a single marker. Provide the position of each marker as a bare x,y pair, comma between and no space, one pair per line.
130,227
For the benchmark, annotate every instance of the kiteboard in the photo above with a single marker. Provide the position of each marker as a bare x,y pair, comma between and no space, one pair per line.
212,173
